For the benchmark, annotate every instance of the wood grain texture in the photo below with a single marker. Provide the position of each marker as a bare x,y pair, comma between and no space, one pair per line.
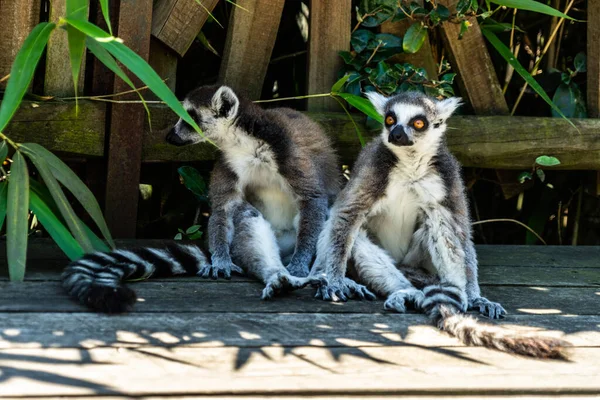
176,23
127,127
58,80
250,39
593,59
330,25
17,19
164,61
469,57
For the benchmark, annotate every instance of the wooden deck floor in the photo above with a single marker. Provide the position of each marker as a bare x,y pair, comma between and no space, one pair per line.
190,337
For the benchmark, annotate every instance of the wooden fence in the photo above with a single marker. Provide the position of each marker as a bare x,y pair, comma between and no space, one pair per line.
161,31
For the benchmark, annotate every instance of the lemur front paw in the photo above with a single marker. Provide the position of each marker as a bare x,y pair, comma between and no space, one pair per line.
219,268
283,282
344,290
487,308
297,269
397,300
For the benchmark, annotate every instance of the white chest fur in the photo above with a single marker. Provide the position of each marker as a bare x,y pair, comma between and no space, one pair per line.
412,186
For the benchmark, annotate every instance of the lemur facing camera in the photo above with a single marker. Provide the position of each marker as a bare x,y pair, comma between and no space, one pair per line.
270,192
405,208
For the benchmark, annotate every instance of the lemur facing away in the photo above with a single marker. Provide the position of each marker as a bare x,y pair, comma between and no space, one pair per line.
270,192
405,207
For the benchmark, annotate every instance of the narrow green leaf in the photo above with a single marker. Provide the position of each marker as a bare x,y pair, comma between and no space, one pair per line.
414,38
194,182
510,58
3,151
17,211
206,43
73,222
3,192
138,66
531,5
358,132
192,229
340,83
54,227
547,161
72,182
105,14
22,70
76,46
362,104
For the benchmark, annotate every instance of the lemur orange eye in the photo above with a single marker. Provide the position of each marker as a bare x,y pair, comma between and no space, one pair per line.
389,120
419,124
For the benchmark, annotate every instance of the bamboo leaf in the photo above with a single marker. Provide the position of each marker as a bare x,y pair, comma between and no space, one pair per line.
340,83
532,5
362,104
77,9
17,211
72,182
3,192
105,14
138,66
22,70
73,222
55,228
3,151
510,58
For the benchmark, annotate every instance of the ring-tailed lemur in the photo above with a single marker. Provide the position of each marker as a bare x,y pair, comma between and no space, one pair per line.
270,192
405,204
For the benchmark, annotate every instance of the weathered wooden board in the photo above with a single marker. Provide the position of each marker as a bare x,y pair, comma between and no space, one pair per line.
127,127
33,330
330,24
59,128
539,256
593,59
58,80
17,19
283,371
250,39
176,23
190,296
470,59
164,61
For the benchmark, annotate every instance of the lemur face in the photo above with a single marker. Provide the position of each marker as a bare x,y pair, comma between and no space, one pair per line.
213,108
412,116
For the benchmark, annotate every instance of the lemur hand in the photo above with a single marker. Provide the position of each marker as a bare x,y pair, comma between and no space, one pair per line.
397,300
218,268
344,289
282,282
487,308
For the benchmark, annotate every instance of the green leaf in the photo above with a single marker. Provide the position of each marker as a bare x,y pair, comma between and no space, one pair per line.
414,38
192,229
179,236
569,99
360,39
73,222
194,182
499,27
525,176
531,5
362,104
540,174
580,62
386,41
17,212
204,40
22,70
3,192
76,52
136,65
72,182
340,83
105,14
510,58
464,27
54,227
3,151
196,235
547,161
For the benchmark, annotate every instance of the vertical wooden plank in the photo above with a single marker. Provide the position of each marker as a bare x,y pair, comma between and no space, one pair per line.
330,26
423,58
58,80
250,39
17,19
127,127
164,61
176,23
593,59
470,59
101,78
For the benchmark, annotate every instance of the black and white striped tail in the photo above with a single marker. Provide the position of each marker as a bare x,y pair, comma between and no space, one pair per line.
443,304
96,280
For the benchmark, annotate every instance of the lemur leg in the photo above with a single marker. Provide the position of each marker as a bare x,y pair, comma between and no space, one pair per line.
376,269
254,247
485,307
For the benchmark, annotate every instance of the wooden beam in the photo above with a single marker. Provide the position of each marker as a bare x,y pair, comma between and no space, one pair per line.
164,61
17,19
58,80
593,59
330,25
176,23
127,127
250,39
423,58
469,57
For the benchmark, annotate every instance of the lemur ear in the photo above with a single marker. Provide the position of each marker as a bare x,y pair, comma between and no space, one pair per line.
446,107
378,101
225,103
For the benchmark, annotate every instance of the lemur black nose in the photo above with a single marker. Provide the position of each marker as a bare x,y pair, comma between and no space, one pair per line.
399,137
173,138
